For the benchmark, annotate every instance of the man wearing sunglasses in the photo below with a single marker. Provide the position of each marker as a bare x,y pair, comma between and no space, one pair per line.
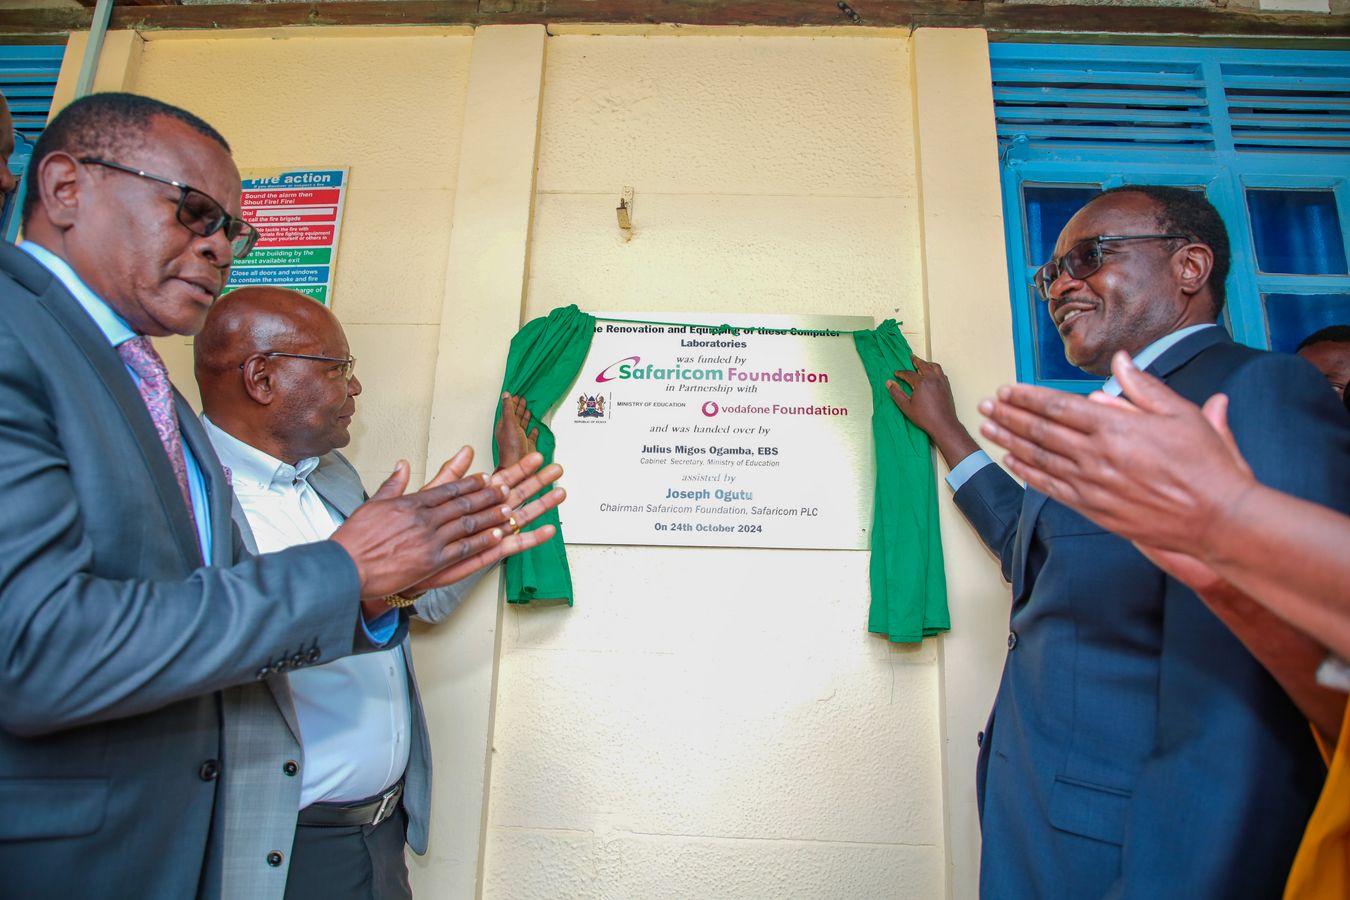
129,609
1136,749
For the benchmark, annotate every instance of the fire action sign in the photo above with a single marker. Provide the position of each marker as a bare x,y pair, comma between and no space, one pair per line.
298,214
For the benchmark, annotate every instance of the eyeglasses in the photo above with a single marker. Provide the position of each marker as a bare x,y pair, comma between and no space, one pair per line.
348,363
1085,258
197,211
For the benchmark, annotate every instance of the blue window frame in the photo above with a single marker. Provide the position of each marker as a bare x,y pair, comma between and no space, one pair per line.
1264,133
27,79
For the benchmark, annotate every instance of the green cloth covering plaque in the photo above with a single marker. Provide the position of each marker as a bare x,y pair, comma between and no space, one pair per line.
908,583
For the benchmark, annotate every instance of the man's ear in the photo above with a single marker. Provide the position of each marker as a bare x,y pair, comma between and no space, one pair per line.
1193,264
258,383
60,186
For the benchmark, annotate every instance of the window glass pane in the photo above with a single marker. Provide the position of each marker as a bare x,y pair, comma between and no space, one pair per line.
1296,232
1292,317
1050,361
1048,209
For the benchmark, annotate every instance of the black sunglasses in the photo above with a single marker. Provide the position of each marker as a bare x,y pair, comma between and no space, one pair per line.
348,363
198,212
1085,257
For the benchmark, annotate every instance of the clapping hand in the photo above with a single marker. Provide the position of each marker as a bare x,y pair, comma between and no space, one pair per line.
455,525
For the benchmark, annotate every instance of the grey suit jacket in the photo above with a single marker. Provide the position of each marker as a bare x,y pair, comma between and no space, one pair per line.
263,741
115,641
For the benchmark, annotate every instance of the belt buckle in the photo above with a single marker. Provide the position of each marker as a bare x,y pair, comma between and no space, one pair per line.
388,803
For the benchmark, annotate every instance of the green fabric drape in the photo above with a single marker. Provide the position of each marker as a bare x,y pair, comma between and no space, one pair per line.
909,585
544,359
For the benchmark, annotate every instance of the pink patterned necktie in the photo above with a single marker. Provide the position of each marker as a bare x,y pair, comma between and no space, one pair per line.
140,356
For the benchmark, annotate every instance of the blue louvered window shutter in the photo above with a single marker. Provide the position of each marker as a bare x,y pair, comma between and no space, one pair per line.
27,79
1265,134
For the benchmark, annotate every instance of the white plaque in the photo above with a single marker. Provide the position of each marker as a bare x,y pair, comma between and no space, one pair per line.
758,436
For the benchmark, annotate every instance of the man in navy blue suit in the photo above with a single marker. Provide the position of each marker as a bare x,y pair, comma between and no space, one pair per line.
1136,749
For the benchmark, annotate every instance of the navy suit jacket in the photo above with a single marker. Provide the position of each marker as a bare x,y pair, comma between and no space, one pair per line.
1136,749
116,642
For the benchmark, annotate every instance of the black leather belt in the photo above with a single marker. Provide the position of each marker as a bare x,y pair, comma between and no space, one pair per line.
366,812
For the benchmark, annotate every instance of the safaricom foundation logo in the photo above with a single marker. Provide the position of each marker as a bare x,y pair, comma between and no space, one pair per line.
630,368
609,374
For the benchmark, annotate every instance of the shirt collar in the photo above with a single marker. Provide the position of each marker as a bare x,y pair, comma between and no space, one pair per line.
1146,357
113,326
251,467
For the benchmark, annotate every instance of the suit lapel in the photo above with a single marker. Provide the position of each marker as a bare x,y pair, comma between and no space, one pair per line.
1187,349
338,484
1032,504
279,685
281,693
1033,501
127,401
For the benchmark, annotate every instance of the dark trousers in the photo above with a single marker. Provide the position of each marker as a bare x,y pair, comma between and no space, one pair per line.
360,862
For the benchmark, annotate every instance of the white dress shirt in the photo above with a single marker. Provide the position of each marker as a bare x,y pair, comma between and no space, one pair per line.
354,713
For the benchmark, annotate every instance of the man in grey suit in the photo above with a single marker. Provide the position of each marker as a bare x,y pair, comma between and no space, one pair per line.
124,613
346,743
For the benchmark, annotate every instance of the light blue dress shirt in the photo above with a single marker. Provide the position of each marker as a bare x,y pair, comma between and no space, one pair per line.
966,468
117,331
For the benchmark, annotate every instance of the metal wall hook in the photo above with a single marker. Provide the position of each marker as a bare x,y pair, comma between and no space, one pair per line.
625,213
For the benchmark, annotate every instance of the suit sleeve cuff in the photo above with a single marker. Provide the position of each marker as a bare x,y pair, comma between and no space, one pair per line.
966,469
382,629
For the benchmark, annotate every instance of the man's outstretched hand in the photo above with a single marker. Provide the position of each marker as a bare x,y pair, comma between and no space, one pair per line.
929,404
515,439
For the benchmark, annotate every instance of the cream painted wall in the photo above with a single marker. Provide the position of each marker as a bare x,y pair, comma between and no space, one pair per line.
711,723
970,333
718,723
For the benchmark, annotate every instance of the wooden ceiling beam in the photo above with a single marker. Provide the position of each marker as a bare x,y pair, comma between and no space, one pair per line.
92,3
1004,21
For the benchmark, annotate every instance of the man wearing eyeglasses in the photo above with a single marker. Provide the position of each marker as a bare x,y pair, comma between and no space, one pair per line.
126,615
1136,749
344,743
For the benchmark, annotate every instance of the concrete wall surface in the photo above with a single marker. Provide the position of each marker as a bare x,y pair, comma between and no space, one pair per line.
717,722
710,723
